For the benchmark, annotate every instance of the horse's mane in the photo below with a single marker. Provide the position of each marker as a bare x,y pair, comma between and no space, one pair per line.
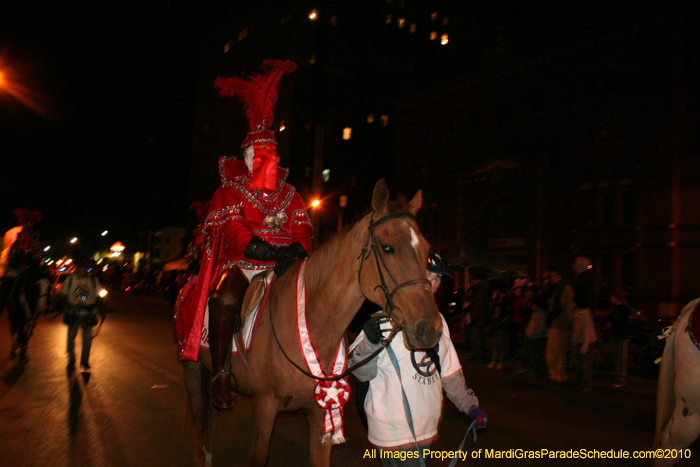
325,257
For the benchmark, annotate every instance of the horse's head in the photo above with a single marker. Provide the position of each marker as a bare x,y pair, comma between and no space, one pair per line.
394,275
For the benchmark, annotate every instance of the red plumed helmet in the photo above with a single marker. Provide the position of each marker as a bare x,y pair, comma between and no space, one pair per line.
259,95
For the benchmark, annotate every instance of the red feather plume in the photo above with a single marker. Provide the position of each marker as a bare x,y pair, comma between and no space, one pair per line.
259,93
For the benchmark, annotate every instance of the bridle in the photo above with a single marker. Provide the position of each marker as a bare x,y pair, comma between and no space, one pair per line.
370,247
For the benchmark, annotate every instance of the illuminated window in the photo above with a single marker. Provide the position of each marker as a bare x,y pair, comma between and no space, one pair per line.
433,35
370,118
242,34
385,120
334,20
433,16
282,126
388,19
445,21
313,15
412,27
326,175
347,133
400,22
227,46
444,39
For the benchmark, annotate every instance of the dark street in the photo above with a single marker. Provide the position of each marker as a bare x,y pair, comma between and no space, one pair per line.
130,410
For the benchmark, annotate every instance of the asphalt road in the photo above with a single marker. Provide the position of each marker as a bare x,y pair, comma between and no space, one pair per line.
130,410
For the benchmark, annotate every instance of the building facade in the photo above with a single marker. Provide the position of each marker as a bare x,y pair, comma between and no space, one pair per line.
587,146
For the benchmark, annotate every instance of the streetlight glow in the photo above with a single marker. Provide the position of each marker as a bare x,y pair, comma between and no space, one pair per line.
313,15
315,203
74,239
104,233
47,248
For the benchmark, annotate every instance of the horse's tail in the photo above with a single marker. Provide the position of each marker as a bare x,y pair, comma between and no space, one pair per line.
665,394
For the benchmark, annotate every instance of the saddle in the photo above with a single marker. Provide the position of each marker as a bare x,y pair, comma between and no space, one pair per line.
694,326
255,292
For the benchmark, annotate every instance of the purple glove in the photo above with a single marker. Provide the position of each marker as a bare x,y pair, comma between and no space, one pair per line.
475,413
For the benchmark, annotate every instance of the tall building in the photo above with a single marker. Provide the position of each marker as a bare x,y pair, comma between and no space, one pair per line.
584,146
538,131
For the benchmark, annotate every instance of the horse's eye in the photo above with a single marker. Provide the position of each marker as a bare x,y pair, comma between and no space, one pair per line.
388,249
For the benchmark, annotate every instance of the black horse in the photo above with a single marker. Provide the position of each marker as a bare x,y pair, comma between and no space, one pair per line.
26,297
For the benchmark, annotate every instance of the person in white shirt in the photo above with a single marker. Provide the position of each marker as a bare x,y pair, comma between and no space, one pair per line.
424,375
79,294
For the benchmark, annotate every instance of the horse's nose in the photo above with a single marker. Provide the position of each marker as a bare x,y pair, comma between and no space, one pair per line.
424,332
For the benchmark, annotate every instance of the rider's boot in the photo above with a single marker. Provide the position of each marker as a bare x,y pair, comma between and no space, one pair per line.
220,338
224,320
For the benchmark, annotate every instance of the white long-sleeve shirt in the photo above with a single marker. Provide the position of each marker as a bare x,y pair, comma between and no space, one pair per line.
423,384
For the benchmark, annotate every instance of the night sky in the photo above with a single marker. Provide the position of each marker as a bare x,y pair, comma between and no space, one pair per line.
97,106
96,113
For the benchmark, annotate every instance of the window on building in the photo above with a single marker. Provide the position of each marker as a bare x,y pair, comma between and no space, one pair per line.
388,19
385,120
242,34
444,39
282,126
628,208
227,46
608,208
433,35
347,133
401,22
445,21
433,17
412,27
325,175
334,20
370,118
629,266
606,273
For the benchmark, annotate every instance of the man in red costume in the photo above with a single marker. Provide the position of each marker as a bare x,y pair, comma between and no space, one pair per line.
256,221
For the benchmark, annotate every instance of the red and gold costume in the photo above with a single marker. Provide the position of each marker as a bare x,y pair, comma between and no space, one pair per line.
255,218
237,214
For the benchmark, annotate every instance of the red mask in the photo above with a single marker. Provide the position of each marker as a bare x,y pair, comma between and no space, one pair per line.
264,175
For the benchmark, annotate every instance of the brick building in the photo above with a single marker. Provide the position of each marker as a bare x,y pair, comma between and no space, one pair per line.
584,146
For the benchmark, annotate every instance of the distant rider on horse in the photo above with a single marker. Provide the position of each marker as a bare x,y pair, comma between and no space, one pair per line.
256,221
24,250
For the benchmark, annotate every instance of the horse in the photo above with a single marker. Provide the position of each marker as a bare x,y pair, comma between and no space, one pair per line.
381,257
678,394
26,301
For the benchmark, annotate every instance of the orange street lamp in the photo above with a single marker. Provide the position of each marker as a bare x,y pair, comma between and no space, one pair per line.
315,203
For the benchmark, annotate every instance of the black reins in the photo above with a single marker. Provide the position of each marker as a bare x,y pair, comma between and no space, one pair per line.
370,244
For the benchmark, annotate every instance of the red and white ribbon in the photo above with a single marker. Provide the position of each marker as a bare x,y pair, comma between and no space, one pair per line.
329,395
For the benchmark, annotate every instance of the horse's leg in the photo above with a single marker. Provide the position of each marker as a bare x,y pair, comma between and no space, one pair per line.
224,317
194,375
320,447
265,411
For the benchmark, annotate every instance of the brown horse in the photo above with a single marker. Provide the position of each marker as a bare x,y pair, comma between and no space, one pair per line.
381,257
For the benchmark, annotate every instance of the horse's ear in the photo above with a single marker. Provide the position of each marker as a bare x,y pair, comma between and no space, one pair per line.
380,197
414,205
